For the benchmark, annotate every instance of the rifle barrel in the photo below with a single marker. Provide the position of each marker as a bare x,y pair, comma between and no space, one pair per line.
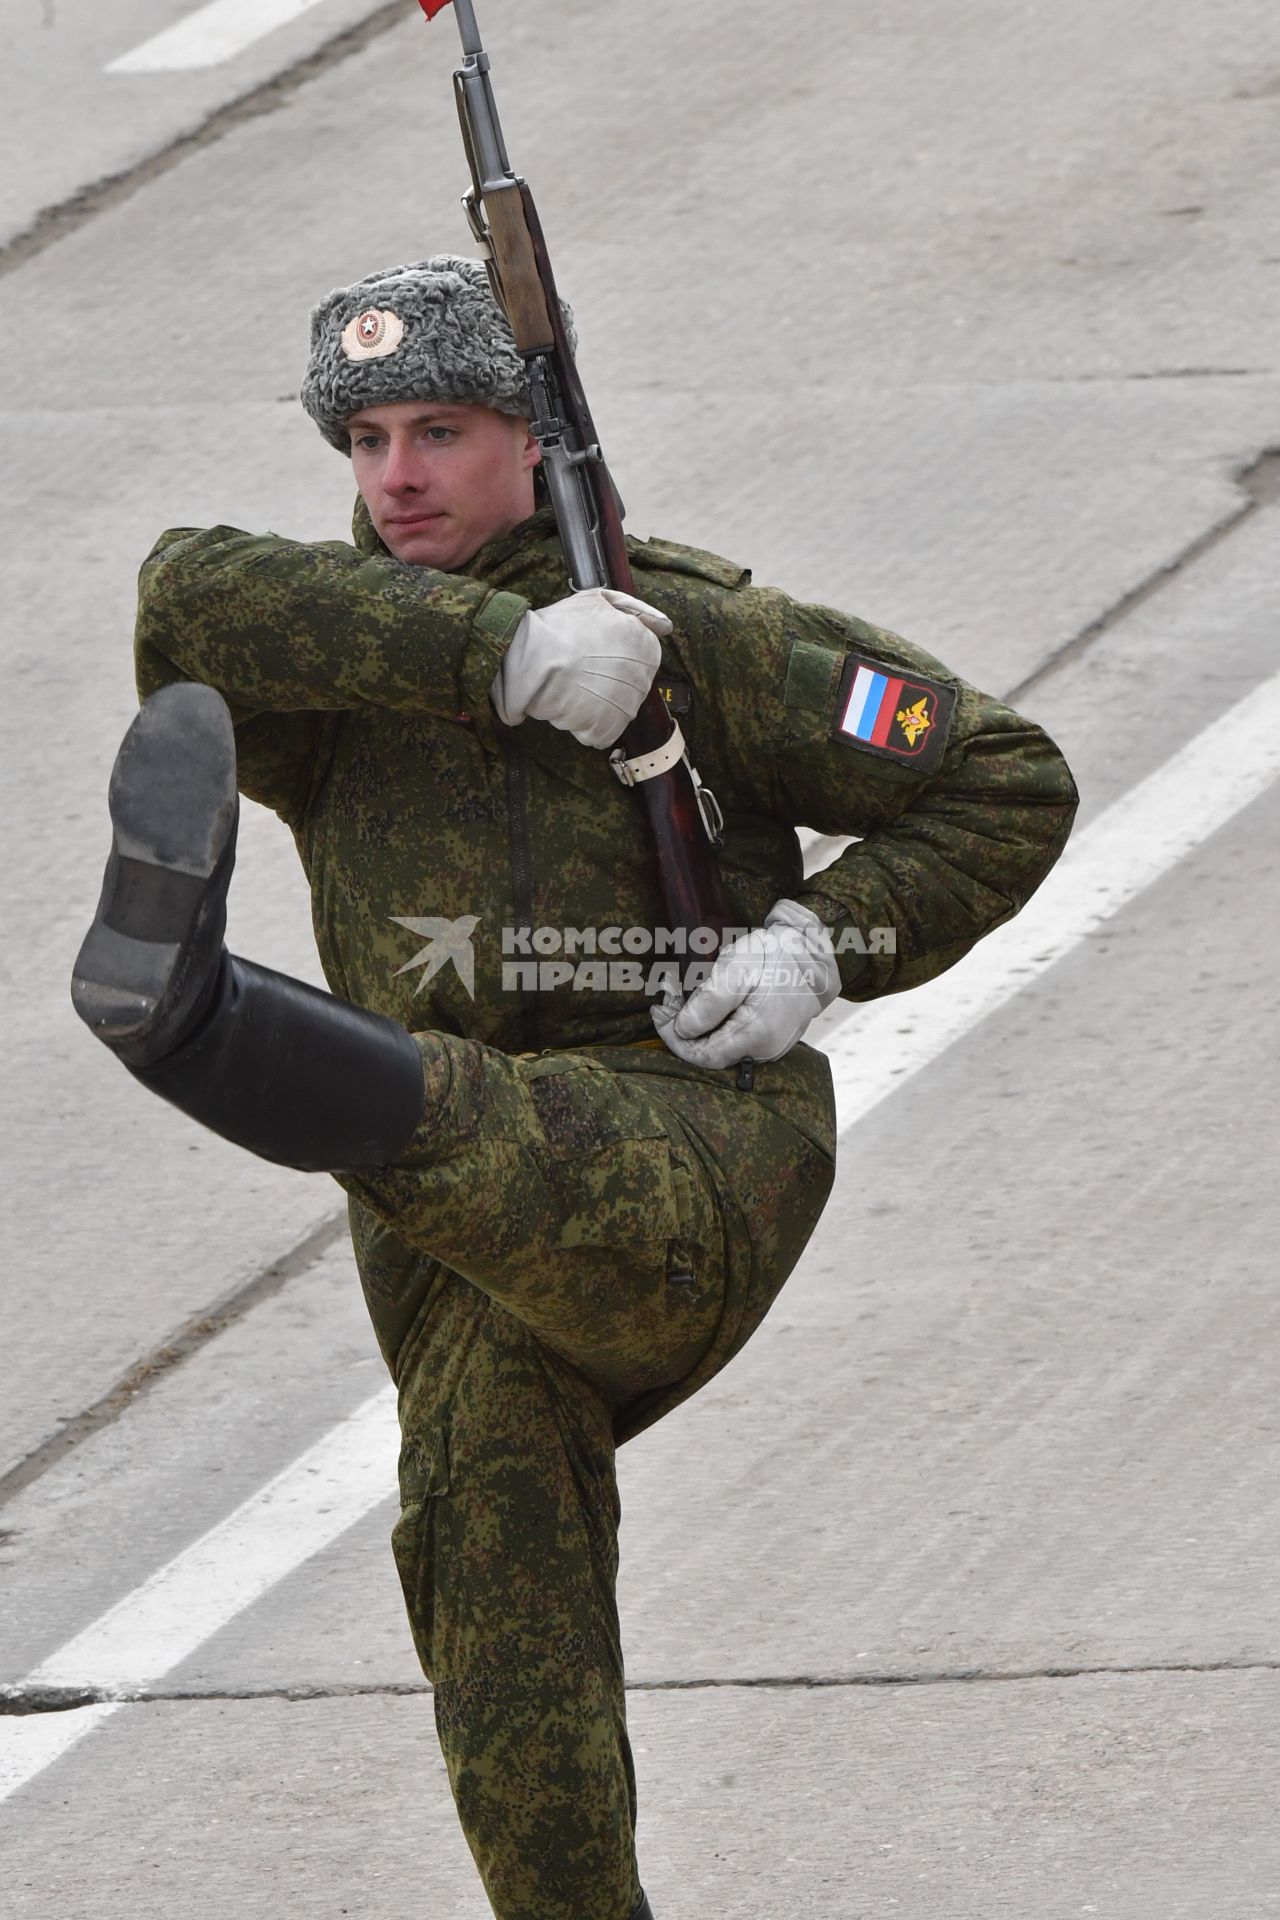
490,149
467,26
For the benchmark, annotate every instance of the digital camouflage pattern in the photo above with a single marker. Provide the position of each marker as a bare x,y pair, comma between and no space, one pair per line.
584,1229
360,689
642,1221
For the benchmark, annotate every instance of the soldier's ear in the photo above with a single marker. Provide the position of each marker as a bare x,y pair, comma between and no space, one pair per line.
531,452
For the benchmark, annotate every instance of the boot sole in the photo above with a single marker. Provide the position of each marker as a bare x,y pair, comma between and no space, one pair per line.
174,808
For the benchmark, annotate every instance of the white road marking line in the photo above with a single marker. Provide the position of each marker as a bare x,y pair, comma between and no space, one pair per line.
210,35
346,1474
163,1622
1139,838
30,1744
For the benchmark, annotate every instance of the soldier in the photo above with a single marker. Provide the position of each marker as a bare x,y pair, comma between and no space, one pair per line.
565,1222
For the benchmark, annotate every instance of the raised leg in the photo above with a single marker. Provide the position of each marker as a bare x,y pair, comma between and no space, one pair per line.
294,1075
634,1213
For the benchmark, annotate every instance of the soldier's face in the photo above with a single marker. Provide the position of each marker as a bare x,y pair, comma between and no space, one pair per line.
441,481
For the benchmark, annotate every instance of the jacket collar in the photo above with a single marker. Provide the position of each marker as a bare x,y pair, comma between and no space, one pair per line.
519,544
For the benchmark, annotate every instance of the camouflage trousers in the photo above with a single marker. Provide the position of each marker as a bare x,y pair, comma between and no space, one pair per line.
571,1246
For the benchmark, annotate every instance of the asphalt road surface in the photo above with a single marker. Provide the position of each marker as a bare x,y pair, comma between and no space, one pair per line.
956,1594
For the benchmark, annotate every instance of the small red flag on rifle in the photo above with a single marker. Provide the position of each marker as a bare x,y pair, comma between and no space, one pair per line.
432,7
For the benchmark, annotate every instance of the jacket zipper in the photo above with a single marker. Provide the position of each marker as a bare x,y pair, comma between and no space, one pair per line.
522,878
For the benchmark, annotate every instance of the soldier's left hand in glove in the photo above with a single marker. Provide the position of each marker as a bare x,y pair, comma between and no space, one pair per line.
760,995
584,664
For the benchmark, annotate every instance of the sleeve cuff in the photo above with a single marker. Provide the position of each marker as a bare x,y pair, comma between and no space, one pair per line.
851,954
493,630
499,617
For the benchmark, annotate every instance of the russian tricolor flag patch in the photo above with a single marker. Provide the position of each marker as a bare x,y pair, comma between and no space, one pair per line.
889,713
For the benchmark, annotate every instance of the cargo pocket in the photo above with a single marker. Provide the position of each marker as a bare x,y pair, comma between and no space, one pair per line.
621,1222
605,1156
416,1537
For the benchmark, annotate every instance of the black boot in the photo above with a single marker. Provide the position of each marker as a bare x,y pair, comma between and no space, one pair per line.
292,1074
644,1911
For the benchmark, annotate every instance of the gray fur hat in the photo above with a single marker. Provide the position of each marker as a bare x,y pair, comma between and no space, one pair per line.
428,331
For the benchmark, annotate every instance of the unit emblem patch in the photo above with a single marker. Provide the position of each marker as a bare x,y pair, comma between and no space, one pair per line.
890,714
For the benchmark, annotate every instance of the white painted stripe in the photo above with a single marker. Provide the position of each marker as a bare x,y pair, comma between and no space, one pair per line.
32,1742
1134,842
210,35
352,1468
163,1622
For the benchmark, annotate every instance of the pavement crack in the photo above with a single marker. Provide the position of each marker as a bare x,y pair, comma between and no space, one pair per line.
1259,482
1162,373
23,1700
195,1333
1201,373
65,217
19,1702
958,1676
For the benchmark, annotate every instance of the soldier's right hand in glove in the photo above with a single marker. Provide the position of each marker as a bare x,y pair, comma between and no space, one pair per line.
584,664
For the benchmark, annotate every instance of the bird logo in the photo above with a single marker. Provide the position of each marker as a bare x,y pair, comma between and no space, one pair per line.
446,940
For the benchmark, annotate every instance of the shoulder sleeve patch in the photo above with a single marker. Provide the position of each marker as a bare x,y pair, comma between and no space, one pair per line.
902,717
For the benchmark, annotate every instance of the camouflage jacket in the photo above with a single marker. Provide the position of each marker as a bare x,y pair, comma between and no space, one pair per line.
359,687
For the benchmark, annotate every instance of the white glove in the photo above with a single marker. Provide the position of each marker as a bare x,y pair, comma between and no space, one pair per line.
760,995
584,664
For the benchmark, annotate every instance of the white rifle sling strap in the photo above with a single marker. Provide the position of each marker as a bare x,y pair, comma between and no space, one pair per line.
646,766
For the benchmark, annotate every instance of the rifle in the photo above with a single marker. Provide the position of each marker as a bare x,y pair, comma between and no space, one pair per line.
651,757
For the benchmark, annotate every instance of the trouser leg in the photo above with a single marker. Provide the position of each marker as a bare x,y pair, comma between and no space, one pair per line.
601,1228
600,1223
508,1553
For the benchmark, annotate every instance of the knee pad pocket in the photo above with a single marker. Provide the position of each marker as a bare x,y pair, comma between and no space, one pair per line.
424,1482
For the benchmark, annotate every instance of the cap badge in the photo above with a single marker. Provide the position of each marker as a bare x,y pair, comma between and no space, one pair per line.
372,334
